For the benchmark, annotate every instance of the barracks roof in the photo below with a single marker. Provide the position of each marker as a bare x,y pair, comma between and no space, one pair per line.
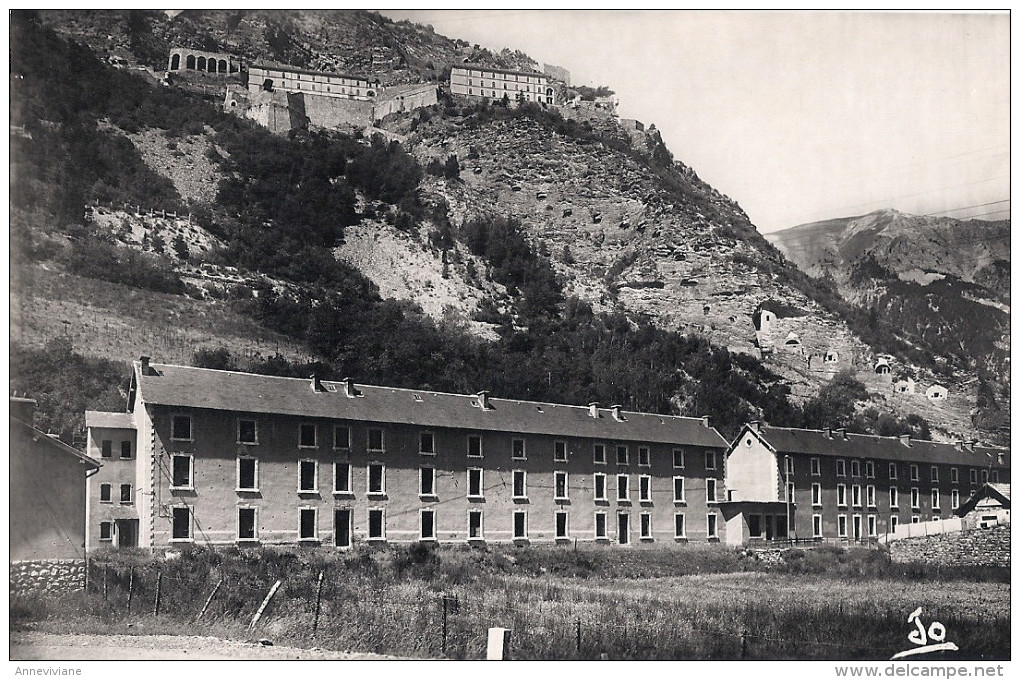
190,387
832,443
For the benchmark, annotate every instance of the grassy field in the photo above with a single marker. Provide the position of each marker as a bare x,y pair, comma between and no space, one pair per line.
702,603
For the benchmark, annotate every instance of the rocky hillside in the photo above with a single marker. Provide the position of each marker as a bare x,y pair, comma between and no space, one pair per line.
629,261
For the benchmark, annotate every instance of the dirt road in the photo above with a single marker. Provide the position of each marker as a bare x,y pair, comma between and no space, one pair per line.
29,646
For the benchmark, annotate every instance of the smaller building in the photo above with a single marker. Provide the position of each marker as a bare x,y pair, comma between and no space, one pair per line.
988,507
936,393
216,63
882,366
474,80
906,386
268,77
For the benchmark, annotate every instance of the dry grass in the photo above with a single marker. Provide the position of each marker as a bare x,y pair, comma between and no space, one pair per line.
391,602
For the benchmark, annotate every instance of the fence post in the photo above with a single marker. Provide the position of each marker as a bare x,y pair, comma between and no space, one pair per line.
444,625
499,641
318,601
86,591
159,585
106,569
209,599
265,603
131,588
743,644
578,635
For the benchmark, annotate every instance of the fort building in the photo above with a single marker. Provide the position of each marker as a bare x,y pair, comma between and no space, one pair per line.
474,80
229,458
268,77
187,59
828,485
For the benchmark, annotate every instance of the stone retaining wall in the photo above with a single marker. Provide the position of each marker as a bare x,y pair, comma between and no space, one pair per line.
49,576
976,547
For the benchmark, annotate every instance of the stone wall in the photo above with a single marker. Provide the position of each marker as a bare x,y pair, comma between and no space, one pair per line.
49,576
976,547
334,112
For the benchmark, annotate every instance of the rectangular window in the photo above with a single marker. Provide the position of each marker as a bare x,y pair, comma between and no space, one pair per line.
427,481
894,522
954,475
646,526
841,526
915,498
934,473
816,494
710,496
712,525
841,495
644,456
816,467
246,524
600,454
816,526
894,497
125,449
183,468
107,448
475,531
308,476
914,474
622,456
855,468
791,495
679,529
789,465
105,493
427,443
307,436
181,524
376,524
560,452
375,439
869,469
125,494
678,458
600,526
520,524
520,484
309,525
341,437
984,476
561,524
180,428
645,488
600,486
973,476
376,479
247,431
247,474
342,482
428,524
560,484
840,467
916,519
855,493
709,460
474,483
106,531
954,498
892,470
870,492
679,493
935,504
872,525
474,446
622,487
518,451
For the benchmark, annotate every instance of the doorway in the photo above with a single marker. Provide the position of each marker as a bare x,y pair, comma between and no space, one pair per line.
342,528
127,533
623,530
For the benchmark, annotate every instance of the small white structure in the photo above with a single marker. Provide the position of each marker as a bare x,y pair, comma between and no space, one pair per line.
792,340
882,366
765,321
904,386
936,393
831,356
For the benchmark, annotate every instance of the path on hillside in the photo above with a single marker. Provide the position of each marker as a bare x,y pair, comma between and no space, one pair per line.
31,646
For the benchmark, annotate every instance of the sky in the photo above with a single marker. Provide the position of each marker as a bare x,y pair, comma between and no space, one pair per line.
798,116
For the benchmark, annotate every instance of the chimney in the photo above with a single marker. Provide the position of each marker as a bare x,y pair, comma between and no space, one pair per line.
593,409
905,439
827,433
23,409
617,413
349,389
317,384
706,421
969,445
840,433
958,444
483,400
145,365
754,426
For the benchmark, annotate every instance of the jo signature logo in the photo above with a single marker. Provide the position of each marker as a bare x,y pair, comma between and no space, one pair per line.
936,633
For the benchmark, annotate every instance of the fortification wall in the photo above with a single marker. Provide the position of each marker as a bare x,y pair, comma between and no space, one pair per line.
47,576
332,112
978,547
401,99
